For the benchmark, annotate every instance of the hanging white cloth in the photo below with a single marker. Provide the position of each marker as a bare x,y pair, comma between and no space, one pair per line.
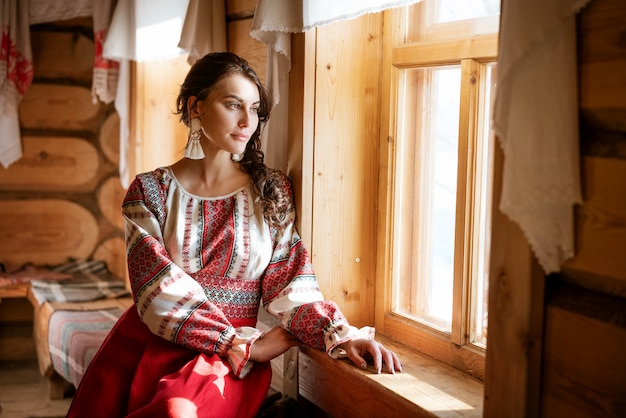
298,16
105,71
145,30
42,11
536,121
204,29
122,107
16,75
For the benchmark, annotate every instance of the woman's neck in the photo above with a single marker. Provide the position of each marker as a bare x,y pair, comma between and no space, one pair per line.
210,178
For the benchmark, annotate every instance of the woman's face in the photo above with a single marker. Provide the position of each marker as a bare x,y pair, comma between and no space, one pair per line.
229,115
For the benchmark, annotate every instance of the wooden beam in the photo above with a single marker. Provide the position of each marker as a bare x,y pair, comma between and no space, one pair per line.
516,287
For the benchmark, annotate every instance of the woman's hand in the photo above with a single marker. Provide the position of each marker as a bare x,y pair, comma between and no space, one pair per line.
272,344
358,349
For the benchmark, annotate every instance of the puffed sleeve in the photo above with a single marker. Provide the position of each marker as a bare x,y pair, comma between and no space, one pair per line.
169,301
291,293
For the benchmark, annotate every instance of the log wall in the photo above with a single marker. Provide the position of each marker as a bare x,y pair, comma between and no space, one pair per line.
62,199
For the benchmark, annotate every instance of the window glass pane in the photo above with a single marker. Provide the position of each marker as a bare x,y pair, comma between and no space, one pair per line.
453,10
426,194
431,20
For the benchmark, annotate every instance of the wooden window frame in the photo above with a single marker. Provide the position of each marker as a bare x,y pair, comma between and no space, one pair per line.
471,54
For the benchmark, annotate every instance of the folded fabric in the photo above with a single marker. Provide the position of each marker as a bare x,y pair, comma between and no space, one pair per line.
85,281
83,267
30,273
77,290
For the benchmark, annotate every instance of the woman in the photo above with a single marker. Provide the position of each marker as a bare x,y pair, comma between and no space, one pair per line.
208,239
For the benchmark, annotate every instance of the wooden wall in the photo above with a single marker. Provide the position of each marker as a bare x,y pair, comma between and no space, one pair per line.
584,368
601,220
62,199
345,163
157,136
239,15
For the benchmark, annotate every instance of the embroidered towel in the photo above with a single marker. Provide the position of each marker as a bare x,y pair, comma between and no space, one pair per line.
16,75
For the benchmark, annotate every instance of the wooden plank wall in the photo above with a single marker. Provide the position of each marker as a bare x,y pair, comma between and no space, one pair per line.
601,220
158,138
61,200
584,369
345,163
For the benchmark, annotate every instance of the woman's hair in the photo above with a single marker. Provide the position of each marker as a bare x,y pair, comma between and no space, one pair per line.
201,80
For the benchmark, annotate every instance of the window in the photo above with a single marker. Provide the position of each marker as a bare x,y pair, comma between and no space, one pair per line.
437,178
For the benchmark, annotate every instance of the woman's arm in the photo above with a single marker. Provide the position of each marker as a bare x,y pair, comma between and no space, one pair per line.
272,344
291,293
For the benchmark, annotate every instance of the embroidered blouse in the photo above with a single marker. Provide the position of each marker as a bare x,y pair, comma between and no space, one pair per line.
200,267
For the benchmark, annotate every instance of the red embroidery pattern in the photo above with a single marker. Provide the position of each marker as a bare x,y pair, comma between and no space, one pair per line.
19,69
206,329
99,61
186,247
242,232
237,298
294,266
309,321
219,235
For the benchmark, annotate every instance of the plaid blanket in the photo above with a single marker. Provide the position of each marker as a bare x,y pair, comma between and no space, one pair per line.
74,337
90,280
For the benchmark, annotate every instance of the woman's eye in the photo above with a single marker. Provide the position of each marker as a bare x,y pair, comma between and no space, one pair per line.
234,105
254,110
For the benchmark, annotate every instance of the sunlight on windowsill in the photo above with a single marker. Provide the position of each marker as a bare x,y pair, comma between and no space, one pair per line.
426,387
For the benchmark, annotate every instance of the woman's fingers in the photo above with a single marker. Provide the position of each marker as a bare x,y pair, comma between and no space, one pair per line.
353,354
396,362
377,356
391,360
357,349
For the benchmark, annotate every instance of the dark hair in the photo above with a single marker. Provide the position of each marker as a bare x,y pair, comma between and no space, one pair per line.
200,81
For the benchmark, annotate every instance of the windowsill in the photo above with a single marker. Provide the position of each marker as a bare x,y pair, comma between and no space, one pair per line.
425,388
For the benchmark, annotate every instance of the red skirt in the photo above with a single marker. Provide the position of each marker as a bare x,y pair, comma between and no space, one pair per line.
138,374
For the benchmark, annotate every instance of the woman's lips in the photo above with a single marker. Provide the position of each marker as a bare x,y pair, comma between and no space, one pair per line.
241,137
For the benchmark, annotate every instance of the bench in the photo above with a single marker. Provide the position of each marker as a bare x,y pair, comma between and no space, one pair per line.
74,308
